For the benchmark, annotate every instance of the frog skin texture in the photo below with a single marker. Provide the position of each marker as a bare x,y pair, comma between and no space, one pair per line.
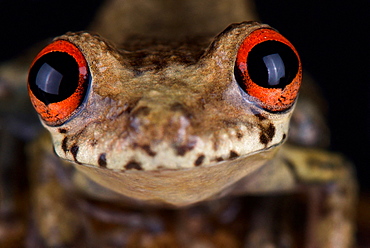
167,140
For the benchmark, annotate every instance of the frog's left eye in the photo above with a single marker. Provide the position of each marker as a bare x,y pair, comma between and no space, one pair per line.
58,81
269,70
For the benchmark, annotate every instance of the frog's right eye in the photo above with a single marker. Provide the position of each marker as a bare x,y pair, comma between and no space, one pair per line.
58,81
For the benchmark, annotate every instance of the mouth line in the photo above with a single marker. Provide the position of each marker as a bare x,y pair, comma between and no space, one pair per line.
137,166
233,155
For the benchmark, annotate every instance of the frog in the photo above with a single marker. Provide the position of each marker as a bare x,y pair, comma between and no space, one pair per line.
165,133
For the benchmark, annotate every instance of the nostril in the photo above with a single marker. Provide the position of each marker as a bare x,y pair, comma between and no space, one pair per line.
177,107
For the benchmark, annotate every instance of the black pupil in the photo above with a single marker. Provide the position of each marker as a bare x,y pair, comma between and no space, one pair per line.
54,77
272,64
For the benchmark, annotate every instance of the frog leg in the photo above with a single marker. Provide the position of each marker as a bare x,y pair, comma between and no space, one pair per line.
328,182
55,220
331,187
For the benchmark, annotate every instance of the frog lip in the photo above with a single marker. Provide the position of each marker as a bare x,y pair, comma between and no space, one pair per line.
234,156
137,165
167,156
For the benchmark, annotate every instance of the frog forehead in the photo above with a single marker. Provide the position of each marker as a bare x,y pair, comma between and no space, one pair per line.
159,108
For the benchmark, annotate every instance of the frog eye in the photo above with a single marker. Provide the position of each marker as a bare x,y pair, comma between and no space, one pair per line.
269,70
58,81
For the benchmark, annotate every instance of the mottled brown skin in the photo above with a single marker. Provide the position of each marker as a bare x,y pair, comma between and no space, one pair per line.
166,152
179,118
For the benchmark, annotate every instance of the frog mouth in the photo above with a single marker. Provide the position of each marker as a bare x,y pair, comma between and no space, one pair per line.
179,187
233,155
200,161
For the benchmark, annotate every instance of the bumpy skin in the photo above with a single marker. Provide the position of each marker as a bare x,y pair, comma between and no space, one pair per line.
171,131
154,120
165,125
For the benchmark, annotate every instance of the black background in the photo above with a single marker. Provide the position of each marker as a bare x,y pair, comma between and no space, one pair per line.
332,38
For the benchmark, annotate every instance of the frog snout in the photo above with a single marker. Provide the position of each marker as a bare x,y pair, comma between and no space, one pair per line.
160,121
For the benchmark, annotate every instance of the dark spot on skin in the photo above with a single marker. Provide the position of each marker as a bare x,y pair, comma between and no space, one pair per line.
146,148
94,142
143,111
239,135
102,161
260,117
271,131
267,134
64,144
233,155
62,130
133,165
181,150
74,151
199,160
219,159
263,139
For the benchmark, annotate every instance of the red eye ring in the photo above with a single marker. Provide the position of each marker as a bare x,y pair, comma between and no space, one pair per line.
57,81
269,96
